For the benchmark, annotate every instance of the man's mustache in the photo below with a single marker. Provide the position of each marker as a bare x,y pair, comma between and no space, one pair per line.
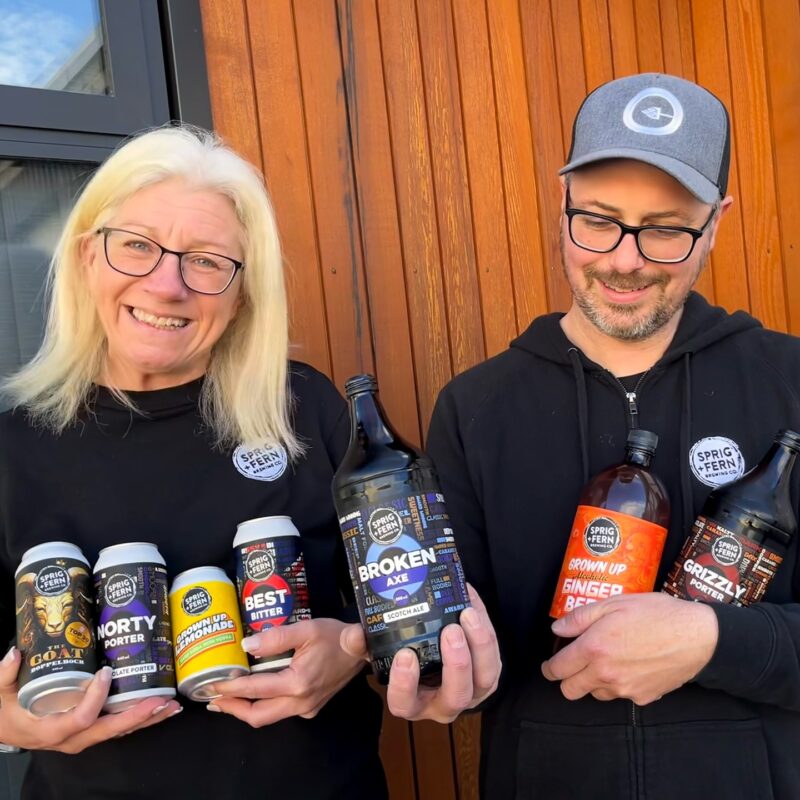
625,281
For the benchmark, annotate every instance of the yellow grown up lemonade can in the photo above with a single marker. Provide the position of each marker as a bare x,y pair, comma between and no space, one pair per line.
207,631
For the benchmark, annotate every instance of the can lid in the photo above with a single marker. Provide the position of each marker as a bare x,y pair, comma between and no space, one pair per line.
360,383
46,550
643,440
253,530
198,575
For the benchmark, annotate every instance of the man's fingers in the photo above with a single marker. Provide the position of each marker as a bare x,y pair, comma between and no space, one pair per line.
401,695
566,662
353,641
456,691
577,621
484,650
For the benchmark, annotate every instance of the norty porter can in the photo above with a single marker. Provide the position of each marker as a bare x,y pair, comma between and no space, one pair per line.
133,630
207,631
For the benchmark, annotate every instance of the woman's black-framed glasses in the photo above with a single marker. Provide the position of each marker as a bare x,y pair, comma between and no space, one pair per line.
664,244
133,254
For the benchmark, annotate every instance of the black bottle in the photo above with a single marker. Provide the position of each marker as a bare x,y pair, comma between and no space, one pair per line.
407,577
740,537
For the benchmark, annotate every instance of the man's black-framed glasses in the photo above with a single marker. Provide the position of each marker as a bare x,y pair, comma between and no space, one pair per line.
664,244
133,254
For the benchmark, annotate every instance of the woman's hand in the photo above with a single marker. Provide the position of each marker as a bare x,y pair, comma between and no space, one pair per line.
470,668
318,670
79,728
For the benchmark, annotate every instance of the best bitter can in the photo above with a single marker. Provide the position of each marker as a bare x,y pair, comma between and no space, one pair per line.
207,631
271,579
55,627
133,631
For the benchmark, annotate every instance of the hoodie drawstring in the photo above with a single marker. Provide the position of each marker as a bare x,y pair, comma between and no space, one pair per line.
686,433
583,409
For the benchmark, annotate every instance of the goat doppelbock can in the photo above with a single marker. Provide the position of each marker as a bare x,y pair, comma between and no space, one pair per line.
133,632
55,627
207,630
271,579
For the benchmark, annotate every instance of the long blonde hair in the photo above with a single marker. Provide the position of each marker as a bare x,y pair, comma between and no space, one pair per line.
245,395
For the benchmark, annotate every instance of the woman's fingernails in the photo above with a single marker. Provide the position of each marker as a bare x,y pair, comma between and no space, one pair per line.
9,656
249,643
176,712
212,707
157,710
104,675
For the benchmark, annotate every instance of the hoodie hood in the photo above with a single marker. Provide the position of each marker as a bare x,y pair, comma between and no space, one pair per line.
701,325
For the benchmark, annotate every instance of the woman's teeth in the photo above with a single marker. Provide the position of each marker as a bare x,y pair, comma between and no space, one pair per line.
159,322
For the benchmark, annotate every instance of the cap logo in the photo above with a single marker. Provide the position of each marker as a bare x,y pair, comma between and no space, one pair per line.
653,111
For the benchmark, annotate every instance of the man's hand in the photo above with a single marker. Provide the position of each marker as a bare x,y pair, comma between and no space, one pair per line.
470,671
318,670
75,730
637,646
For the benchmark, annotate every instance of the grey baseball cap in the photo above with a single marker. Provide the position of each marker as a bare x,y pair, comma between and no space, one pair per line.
665,121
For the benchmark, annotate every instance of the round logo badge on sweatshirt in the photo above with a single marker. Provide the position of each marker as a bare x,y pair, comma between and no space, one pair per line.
264,463
716,460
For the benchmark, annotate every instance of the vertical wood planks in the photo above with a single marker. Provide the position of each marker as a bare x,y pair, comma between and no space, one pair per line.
485,174
750,118
230,76
416,200
286,169
334,196
782,44
451,188
377,208
729,259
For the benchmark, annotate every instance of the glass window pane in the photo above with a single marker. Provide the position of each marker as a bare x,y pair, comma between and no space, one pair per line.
53,44
35,199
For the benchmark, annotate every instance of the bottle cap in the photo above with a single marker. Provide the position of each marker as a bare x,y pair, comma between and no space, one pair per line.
789,438
643,440
360,383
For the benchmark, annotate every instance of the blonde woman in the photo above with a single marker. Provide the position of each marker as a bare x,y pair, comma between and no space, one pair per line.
162,407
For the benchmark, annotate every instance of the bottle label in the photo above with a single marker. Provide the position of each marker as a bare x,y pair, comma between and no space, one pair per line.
717,566
403,562
133,632
608,553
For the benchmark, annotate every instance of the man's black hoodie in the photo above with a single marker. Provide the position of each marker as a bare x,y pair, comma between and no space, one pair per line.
515,439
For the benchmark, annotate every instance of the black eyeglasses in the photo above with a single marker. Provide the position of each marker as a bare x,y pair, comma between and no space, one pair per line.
664,244
136,255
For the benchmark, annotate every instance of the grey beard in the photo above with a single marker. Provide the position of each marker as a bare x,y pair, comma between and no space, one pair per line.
632,330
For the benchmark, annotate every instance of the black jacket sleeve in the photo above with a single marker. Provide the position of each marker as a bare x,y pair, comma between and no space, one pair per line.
758,654
461,491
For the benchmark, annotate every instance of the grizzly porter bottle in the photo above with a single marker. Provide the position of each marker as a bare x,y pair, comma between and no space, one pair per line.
406,574
618,533
740,537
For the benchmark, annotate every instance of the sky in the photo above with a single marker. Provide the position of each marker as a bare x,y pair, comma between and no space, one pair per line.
37,37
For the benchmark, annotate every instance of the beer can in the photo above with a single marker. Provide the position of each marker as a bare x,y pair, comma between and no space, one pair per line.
55,627
133,632
271,580
207,631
